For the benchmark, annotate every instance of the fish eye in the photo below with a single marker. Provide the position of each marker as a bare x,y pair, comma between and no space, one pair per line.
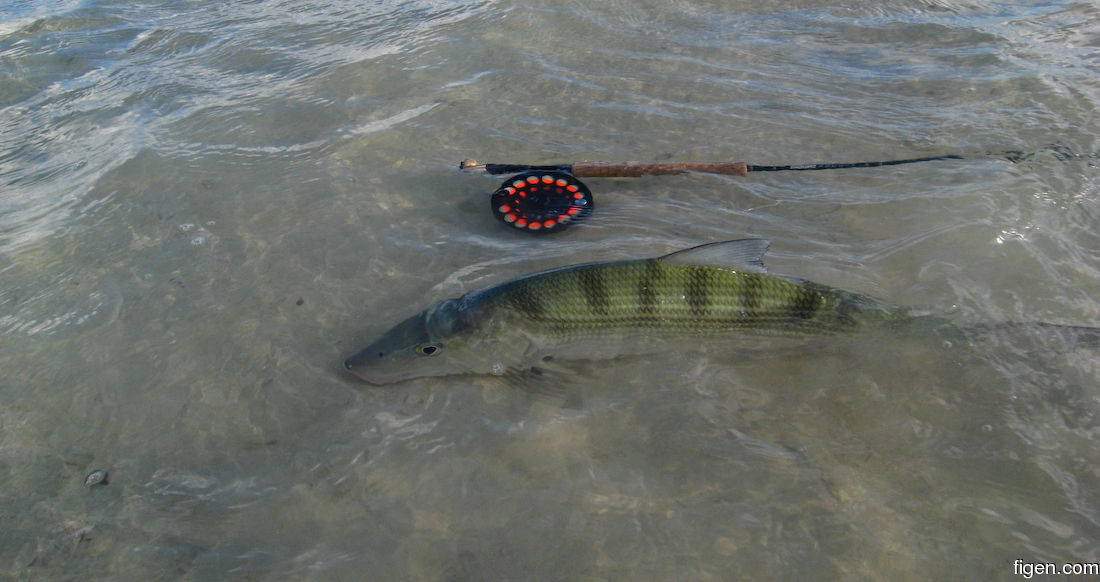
429,349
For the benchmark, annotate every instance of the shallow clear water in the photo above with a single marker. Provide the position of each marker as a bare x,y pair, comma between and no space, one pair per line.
205,207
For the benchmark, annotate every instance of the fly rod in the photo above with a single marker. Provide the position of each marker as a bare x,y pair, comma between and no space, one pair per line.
636,169
550,198
541,199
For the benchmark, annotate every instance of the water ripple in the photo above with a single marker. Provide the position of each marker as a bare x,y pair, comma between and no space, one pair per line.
89,93
205,206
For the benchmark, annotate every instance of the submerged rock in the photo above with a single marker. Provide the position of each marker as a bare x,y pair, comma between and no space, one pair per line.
97,477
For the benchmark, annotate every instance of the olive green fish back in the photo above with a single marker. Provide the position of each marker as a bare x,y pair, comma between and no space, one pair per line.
652,293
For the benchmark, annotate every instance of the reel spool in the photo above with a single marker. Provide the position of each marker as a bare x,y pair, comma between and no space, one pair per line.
541,201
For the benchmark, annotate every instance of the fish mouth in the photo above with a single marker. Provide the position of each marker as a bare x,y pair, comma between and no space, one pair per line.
355,366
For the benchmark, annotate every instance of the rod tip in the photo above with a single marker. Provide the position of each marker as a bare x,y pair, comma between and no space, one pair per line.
467,164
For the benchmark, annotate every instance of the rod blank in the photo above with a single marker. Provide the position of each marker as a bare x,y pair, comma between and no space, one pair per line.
635,169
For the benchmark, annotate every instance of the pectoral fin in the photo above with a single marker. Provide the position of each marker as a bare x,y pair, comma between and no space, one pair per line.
549,381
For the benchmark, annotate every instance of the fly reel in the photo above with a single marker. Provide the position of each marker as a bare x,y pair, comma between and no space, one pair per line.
541,201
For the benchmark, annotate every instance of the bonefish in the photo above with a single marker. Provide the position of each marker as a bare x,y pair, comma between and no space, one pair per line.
598,310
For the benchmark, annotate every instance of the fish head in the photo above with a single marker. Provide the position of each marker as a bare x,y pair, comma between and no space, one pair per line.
449,338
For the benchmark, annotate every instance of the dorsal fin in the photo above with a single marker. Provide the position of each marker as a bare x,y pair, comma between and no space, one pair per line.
745,255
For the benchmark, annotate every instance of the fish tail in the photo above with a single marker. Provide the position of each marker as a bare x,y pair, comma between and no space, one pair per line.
1041,332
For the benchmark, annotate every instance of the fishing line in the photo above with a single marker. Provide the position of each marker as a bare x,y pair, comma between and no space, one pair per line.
549,198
